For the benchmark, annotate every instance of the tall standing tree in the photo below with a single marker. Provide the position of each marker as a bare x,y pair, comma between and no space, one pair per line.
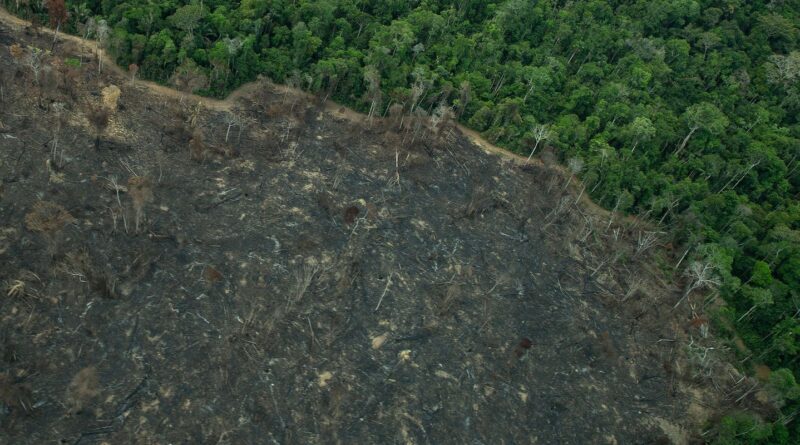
133,69
703,116
464,96
102,30
641,130
232,47
79,12
187,17
373,80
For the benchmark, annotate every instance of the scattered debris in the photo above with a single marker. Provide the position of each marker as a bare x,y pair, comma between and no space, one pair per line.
379,340
330,253
324,378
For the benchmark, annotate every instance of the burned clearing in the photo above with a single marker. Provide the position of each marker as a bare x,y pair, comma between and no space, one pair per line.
275,272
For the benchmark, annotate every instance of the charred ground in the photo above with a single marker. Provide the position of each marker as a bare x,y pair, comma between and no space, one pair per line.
311,279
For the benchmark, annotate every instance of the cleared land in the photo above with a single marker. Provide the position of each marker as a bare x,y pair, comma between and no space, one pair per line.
274,272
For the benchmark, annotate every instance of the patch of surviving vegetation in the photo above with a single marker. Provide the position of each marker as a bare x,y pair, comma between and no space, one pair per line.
272,272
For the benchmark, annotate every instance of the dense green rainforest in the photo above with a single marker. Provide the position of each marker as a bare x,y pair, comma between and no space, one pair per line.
686,112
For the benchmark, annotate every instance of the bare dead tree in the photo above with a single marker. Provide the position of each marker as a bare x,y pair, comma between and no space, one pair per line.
464,96
58,111
613,212
441,119
98,117
739,177
395,180
701,274
646,241
232,120
102,31
541,133
575,166
417,92
34,62
563,205
634,286
114,185
141,193
373,79
396,115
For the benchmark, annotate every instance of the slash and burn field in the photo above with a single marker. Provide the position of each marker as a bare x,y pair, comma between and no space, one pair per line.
278,270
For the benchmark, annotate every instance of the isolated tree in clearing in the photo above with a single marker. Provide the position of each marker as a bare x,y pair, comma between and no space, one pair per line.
34,62
133,69
98,117
57,11
141,192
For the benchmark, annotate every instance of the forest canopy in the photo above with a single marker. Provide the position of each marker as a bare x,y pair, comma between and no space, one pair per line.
686,112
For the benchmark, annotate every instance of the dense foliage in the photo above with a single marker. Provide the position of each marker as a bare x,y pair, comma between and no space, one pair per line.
687,111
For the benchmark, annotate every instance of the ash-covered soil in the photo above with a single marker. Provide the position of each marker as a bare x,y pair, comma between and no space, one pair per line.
311,280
